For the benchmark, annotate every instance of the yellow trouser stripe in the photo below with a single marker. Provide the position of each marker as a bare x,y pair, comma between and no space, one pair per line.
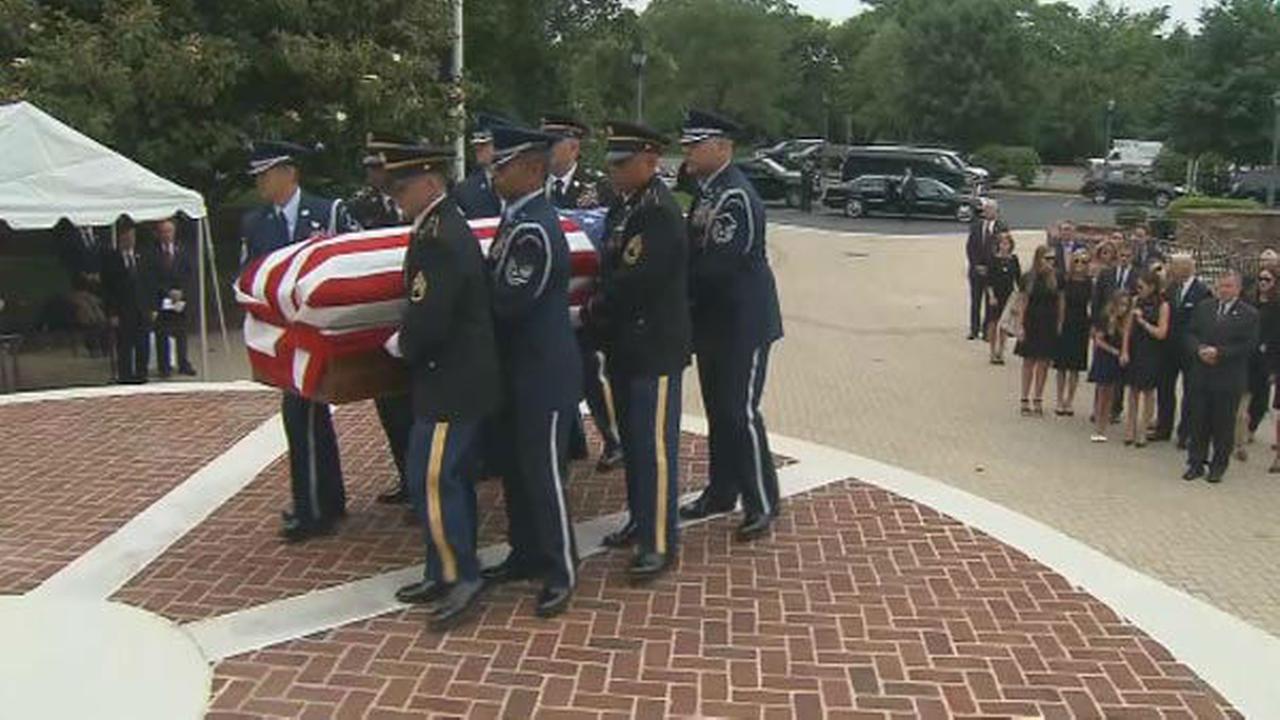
435,514
660,443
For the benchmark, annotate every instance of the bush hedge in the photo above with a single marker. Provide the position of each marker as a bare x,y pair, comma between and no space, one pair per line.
1205,202
1023,163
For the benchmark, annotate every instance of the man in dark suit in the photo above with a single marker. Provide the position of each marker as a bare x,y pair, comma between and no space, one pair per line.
173,270
129,293
1124,276
1145,250
293,216
1185,293
571,186
1222,334
984,232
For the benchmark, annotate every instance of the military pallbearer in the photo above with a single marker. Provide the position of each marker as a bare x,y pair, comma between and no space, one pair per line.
640,316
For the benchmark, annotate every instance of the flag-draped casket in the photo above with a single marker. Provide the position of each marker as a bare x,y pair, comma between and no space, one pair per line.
317,313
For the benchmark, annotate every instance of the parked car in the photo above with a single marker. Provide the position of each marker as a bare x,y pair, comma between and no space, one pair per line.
894,160
979,178
1129,184
881,194
772,180
1253,184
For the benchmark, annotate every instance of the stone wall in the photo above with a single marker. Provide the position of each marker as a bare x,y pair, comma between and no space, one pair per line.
1221,239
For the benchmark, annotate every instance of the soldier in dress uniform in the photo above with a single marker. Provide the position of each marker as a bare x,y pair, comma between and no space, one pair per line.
529,266
291,216
475,194
736,319
446,337
640,313
571,186
373,208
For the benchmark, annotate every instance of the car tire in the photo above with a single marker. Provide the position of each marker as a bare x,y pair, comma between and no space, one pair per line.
793,197
1100,197
853,208
1162,200
964,213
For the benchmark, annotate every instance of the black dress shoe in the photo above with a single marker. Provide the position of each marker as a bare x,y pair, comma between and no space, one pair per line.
458,605
1215,476
621,537
1193,473
754,525
295,530
421,593
647,566
1182,443
609,461
1159,437
399,496
187,370
509,570
553,600
703,507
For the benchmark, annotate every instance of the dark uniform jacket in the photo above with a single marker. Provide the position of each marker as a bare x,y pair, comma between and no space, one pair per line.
529,266
446,334
734,298
1234,334
371,209
262,231
640,311
586,189
476,197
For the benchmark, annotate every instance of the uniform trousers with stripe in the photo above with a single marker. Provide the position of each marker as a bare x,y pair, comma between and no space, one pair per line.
440,461
534,467
315,472
600,402
649,415
732,381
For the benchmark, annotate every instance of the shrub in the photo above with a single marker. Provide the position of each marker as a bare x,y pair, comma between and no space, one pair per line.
1131,216
1171,167
1023,163
1204,202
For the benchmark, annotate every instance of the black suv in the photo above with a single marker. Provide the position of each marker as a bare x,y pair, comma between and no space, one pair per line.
882,194
1254,184
773,180
894,161
1129,185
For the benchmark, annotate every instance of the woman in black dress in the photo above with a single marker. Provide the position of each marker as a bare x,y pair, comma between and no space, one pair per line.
1107,373
1039,327
1257,397
1143,355
1072,353
1001,279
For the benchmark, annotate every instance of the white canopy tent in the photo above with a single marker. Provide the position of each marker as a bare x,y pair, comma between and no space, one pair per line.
51,172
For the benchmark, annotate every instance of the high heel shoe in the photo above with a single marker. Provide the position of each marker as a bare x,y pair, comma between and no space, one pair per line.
1025,410
1039,408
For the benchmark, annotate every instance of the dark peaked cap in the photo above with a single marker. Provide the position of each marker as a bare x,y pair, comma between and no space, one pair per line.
628,138
405,161
509,142
266,154
565,126
700,125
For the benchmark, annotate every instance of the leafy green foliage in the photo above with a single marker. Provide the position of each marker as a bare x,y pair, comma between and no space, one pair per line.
1204,202
1021,162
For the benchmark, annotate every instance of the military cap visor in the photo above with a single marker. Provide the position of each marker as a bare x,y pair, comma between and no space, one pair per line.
564,126
376,143
512,142
700,125
629,139
484,125
268,154
410,160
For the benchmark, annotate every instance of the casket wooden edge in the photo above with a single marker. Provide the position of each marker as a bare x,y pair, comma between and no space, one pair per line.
356,377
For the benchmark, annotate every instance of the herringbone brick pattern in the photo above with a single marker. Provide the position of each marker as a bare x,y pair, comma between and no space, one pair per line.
862,605
236,560
74,471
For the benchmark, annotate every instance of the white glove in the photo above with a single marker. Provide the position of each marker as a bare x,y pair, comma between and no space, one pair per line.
392,345
575,317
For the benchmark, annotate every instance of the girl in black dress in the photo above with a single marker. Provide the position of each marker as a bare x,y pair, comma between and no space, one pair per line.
1143,355
1257,397
1001,278
1107,373
1039,327
1072,353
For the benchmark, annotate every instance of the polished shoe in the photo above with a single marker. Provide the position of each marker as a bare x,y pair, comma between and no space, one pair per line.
1215,476
1159,437
295,530
421,593
187,370
621,537
1193,473
509,570
648,565
702,508
553,600
1182,443
609,461
399,496
458,605
754,525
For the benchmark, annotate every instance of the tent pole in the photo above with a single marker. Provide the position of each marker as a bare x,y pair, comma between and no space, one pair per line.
204,320
217,287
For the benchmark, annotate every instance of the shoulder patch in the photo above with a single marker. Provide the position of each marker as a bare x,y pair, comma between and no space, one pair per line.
418,290
634,249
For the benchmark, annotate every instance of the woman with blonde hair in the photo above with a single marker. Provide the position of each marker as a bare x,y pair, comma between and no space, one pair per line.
1072,351
1039,328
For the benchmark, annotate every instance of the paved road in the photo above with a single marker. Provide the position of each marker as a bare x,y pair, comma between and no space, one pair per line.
875,362
1021,210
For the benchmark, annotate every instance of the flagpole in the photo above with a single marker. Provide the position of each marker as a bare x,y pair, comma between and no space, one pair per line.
460,107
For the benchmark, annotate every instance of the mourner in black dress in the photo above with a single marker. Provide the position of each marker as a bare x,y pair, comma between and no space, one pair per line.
1144,349
1071,356
1039,329
1261,294
1002,277
1107,372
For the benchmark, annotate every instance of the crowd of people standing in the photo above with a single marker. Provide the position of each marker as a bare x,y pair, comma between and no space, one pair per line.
1134,319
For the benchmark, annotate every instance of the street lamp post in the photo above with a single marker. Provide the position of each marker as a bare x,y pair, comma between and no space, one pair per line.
460,103
638,60
1111,111
1275,154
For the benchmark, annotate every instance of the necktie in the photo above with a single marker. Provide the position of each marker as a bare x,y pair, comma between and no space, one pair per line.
128,261
559,187
1222,310
284,226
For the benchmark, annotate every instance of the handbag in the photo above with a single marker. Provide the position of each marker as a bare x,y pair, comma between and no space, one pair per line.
1011,319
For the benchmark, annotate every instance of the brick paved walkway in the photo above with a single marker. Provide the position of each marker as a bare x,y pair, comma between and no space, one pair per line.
73,471
863,605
